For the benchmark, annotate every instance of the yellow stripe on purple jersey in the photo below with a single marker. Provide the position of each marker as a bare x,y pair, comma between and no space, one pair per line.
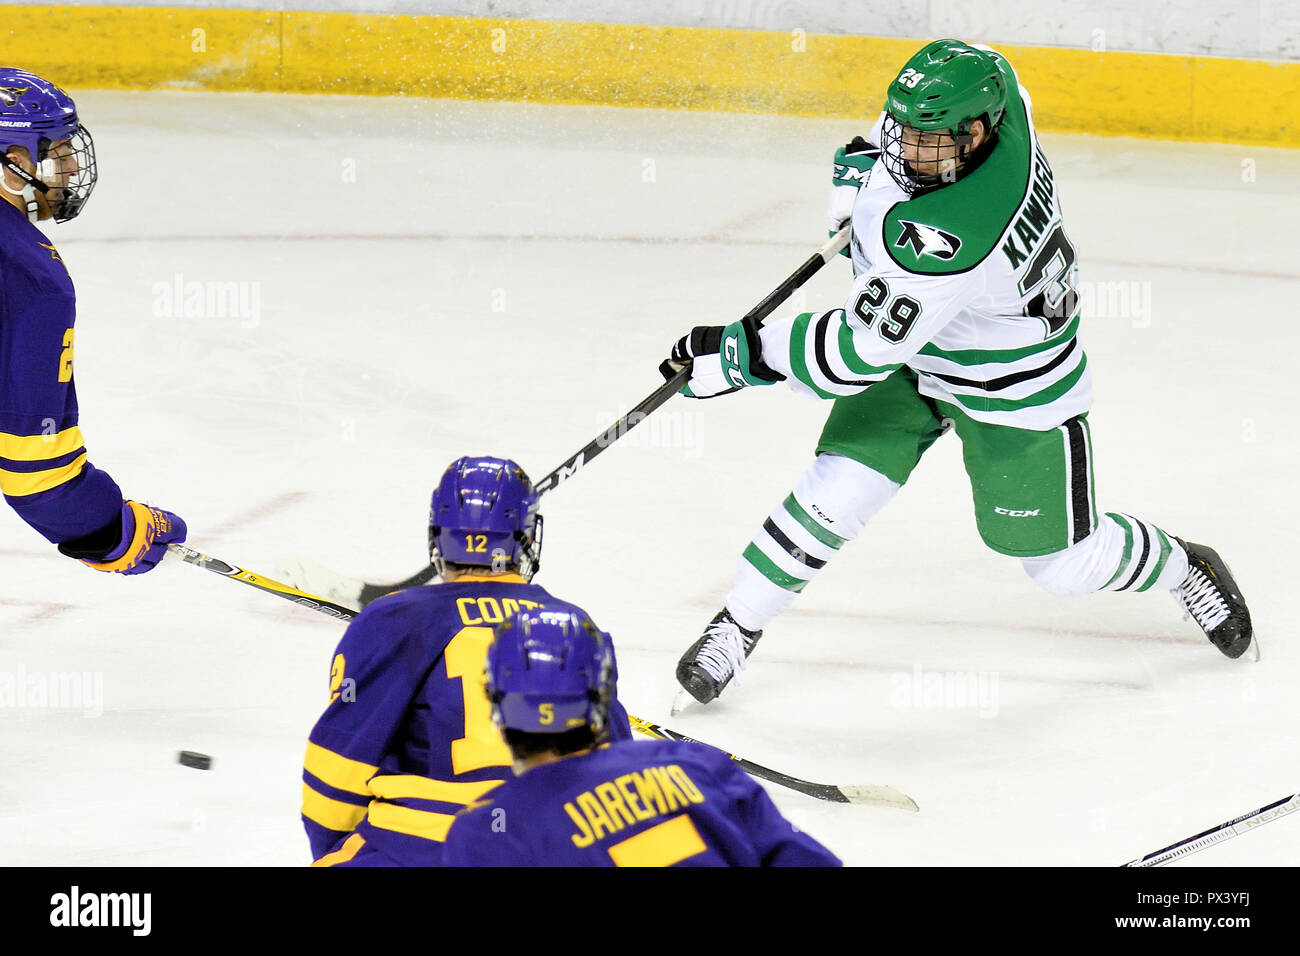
664,803
44,472
407,739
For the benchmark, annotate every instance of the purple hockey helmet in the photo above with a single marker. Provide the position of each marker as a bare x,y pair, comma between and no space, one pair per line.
484,514
550,671
37,115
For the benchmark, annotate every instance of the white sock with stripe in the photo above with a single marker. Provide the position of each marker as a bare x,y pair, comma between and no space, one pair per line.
830,505
1149,558
1122,554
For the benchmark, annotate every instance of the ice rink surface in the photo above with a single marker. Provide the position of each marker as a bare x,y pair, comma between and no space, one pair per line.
423,279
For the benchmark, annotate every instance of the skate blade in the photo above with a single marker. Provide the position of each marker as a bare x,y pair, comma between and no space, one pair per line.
683,701
1254,648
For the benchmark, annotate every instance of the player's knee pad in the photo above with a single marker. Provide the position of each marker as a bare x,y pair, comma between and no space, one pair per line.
842,494
1081,568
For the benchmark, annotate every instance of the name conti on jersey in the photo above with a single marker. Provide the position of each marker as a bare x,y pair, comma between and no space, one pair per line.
641,795
1035,213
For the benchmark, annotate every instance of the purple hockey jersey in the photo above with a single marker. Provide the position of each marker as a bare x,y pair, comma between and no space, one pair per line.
44,472
664,803
407,738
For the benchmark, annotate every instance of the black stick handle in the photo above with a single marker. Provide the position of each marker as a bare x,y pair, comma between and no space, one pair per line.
674,385
876,794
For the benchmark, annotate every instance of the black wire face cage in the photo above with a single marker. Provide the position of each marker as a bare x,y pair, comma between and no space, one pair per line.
531,560
70,171
943,164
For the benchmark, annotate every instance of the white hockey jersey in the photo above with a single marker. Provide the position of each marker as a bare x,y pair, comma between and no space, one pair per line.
971,285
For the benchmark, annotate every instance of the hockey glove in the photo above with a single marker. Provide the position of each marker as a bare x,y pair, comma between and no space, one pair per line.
853,163
142,538
722,359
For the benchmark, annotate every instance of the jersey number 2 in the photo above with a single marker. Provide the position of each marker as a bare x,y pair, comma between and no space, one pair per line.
65,358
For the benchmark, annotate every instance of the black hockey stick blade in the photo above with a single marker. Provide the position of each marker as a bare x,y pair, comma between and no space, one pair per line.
370,592
1224,831
879,795
262,583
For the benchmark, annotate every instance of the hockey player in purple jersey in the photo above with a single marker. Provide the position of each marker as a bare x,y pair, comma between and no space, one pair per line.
579,800
407,738
47,171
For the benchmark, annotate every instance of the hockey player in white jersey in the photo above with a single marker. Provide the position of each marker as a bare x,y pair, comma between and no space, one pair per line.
963,313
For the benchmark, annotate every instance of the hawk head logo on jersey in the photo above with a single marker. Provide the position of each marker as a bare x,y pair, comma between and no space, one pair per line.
927,240
9,94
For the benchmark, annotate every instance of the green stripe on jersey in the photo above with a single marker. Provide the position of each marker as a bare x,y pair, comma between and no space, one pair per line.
825,536
764,565
853,361
1049,394
1128,548
985,356
1165,548
798,358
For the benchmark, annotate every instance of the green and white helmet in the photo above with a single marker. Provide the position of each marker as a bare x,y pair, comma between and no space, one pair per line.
945,86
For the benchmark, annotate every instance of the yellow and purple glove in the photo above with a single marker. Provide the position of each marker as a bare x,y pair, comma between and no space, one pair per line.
141,544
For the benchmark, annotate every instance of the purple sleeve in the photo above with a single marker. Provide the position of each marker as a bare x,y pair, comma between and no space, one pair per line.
777,841
89,502
44,472
374,674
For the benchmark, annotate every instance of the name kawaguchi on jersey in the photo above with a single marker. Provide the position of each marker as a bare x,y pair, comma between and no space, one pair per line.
1035,213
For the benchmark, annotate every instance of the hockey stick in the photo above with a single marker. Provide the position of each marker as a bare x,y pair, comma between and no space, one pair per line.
674,385
876,794
1224,831
262,583
349,590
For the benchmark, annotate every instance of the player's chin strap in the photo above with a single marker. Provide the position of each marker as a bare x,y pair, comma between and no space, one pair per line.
31,185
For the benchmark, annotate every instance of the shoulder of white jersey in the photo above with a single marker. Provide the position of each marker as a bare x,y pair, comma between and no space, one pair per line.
953,229
873,137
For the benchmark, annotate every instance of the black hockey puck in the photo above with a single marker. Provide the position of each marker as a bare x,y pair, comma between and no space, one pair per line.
189,758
